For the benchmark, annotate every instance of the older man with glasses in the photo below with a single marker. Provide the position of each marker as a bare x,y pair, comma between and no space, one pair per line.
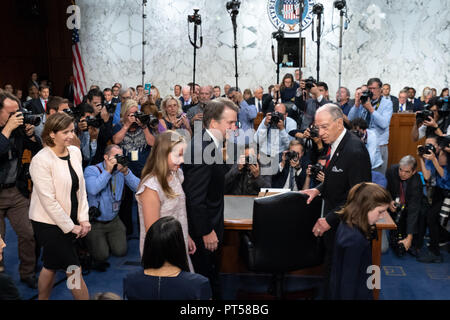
124,95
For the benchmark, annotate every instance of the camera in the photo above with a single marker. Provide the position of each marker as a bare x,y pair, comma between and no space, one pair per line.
30,118
276,117
233,6
365,96
443,141
315,170
427,149
195,18
339,4
310,82
146,119
423,115
122,160
313,131
93,122
396,235
251,159
94,213
291,155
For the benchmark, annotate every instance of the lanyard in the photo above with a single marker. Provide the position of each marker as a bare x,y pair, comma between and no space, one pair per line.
113,186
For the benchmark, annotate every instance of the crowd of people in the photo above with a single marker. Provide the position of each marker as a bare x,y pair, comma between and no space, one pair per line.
169,161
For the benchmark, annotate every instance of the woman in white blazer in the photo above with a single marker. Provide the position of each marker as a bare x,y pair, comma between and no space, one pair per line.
59,207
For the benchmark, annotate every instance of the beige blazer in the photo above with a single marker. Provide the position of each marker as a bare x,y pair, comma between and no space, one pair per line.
52,183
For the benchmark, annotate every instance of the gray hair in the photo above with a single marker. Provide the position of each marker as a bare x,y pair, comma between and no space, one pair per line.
123,91
333,110
258,88
409,161
346,90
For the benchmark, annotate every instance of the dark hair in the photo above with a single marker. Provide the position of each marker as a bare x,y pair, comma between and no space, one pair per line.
54,103
442,92
287,75
363,198
377,80
106,90
115,87
411,88
214,110
6,95
56,122
84,107
216,87
43,86
179,86
164,241
322,84
94,93
360,123
139,86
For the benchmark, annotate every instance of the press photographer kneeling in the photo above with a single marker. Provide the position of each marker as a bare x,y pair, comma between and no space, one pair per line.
435,167
104,183
431,121
404,185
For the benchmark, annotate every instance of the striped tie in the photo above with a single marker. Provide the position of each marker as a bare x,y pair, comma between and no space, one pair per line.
328,158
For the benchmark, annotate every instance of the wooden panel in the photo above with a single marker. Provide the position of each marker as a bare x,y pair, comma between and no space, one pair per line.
400,141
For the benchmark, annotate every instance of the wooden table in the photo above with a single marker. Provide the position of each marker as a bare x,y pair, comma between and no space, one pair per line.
232,263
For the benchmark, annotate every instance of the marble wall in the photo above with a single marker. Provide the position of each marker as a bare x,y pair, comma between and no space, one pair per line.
404,42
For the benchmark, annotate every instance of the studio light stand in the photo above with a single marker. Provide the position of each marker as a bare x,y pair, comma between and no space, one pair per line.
318,10
233,10
196,19
144,43
278,35
340,5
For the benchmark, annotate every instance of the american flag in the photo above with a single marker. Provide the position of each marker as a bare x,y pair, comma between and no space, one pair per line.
78,71
291,9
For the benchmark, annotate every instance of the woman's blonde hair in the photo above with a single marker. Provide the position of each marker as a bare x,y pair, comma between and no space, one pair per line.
426,91
128,104
157,164
361,199
164,105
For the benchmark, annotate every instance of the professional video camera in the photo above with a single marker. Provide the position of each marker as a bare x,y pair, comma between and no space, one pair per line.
233,6
30,118
365,96
315,170
276,117
427,149
396,235
195,18
146,119
93,122
423,115
310,82
122,160
75,113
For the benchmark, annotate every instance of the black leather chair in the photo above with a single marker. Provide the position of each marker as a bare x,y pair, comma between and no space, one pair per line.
281,239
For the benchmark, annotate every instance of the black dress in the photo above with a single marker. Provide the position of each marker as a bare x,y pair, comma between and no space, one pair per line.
58,247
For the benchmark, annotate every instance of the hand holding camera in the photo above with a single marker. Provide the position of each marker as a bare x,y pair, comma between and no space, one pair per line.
15,120
424,116
427,152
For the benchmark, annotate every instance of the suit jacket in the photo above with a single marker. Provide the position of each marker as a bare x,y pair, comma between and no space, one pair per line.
204,187
69,92
413,196
36,107
349,166
352,255
279,180
396,106
394,101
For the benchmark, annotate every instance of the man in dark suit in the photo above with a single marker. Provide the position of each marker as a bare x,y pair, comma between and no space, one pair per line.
39,105
292,173
405,187
204,177
403,104
347,164
387,94
69,90
412,98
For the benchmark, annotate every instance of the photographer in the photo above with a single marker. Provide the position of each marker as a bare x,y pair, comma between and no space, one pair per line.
318,91
292,168
15,136
200,96
244,178
405,187
435,167
272,137
377,111
369,137
104,184
429,121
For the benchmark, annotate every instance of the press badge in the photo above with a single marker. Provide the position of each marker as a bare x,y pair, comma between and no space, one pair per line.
116,206
134,155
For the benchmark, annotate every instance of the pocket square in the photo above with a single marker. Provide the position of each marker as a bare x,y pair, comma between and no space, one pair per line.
336,169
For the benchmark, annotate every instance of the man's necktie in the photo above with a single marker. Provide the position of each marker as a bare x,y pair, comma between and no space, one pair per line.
328,157
45,102
259,106
291,178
